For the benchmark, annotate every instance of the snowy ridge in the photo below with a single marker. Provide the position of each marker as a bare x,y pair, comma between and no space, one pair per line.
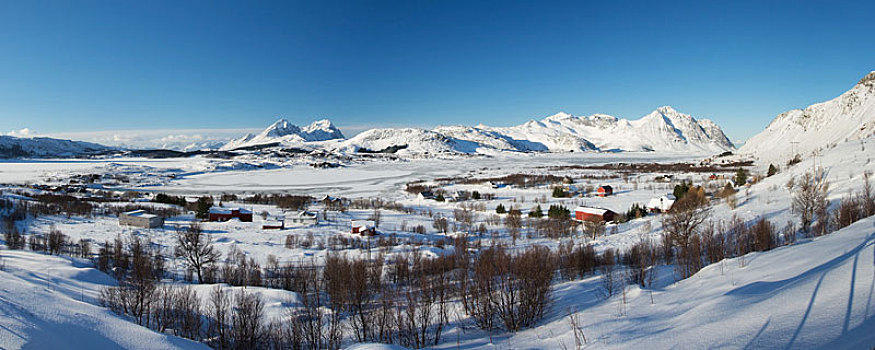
44,147
848,117
287,133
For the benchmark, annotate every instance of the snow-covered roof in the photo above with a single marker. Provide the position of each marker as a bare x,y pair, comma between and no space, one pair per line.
363,223
140,213
594,211
663,202
302,214
228,211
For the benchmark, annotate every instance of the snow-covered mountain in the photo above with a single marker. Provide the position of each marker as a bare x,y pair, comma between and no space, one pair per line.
663,130
44,147
848,117
286,133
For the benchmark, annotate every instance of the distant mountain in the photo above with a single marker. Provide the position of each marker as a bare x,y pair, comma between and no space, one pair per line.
663,130
848,117
44,147
283,132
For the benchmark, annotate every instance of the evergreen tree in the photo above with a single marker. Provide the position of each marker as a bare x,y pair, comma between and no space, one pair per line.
740,177
772,170
203,206
536,212
500,209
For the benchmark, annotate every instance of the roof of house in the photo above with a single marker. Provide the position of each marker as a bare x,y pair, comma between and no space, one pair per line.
302,214
140,214
228,211
594,211
663,202
363,223
606,187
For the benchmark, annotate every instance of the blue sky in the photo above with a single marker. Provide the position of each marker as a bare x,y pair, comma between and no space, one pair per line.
84,66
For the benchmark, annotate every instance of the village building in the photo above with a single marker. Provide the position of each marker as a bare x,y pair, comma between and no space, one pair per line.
661,204
593,214
426,195
273,225
302,218
221,214
364,227
604,191
140,218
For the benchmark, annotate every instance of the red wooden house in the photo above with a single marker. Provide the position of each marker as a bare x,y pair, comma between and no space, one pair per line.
604,191
224,214
593,214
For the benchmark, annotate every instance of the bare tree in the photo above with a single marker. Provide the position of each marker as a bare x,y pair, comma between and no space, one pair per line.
196,248
809,198
220,318
681,225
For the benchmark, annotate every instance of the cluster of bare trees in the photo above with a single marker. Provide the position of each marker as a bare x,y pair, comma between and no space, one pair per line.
512,290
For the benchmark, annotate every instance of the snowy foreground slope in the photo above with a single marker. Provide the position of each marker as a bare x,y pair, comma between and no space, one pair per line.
817,294
42,307
851,116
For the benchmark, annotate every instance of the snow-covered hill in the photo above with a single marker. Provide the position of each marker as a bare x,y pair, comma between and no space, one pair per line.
851,116
285,133
49,302
44,147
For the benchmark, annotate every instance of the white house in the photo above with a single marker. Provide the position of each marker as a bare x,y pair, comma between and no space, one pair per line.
303,218
661,204
140,218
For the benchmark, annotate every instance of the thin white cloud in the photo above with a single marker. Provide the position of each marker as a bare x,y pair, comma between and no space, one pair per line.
26,132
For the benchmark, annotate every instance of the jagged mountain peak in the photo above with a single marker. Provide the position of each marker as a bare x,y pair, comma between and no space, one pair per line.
284,132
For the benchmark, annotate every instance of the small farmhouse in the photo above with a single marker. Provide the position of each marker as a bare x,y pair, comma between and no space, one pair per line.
426,195
593,214
221,214
604,191
302,218
140,218
661,204
364,227
273,225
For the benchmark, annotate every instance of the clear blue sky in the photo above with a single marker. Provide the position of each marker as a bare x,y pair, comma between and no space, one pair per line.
86,65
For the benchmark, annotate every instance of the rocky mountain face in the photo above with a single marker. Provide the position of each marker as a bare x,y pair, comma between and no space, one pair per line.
283,132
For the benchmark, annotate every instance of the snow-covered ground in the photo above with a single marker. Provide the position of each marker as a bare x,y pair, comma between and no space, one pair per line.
815,294
49,302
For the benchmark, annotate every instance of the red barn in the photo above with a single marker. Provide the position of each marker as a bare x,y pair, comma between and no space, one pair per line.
225,214
364,228
604,191
593,214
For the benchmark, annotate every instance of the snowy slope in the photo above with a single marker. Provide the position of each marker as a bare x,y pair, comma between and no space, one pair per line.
851,116
44,147
286,133
814,295
42,307
416,141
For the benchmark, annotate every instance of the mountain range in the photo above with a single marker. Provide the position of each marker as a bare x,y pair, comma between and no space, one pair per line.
663,130
848,117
